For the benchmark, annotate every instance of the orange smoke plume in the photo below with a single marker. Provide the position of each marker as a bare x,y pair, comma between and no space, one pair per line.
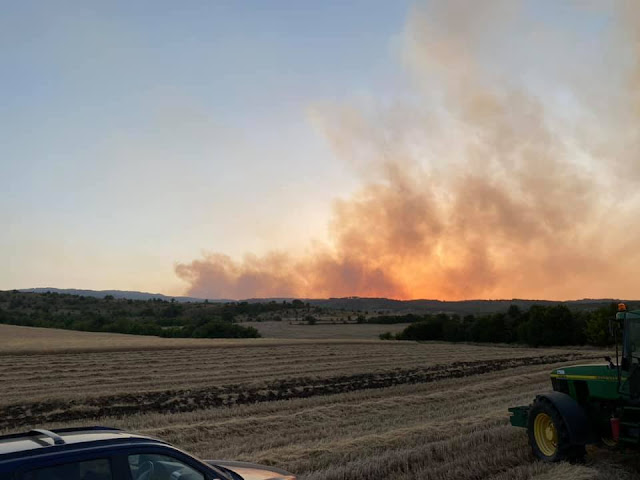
473,188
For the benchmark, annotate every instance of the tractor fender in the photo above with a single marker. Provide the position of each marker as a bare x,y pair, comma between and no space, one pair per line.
573,415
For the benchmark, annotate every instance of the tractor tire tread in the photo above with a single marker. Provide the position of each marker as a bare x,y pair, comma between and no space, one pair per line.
566,450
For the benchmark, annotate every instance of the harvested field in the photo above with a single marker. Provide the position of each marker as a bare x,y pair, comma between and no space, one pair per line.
73,375
324,330
325,410
32,340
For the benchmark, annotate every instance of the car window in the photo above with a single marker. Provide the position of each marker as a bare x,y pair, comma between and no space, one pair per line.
99,469
161,467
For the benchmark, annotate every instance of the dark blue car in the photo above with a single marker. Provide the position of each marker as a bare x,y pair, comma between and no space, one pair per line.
100,453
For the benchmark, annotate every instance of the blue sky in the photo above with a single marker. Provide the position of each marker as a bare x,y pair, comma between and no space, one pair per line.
137,134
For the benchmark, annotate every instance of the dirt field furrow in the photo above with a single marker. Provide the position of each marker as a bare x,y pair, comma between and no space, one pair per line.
193,399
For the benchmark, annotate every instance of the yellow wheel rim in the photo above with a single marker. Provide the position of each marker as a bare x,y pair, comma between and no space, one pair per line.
546,435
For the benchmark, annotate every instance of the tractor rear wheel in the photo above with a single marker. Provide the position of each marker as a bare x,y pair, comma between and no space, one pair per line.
549,435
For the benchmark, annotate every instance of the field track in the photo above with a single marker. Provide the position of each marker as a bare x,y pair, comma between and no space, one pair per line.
325,410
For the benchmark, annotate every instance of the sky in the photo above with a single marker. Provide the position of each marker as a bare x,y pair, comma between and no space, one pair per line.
264,149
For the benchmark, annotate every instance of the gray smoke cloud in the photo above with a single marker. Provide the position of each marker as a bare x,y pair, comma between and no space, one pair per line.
474,183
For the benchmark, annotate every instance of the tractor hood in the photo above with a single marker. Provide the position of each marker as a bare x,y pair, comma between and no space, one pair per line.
600,371
252,471
588,381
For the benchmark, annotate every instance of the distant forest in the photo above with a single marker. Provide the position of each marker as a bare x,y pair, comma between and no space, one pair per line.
164,318
540,325
546,324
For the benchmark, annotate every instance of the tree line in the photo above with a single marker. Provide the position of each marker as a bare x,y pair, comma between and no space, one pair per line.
139,317
540,325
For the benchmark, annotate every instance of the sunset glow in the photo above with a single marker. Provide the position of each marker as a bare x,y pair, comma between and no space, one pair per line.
437,161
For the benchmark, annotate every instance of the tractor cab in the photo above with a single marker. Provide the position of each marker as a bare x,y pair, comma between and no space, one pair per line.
629,323
629,364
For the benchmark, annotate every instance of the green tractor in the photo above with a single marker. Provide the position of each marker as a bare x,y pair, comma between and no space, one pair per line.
590,404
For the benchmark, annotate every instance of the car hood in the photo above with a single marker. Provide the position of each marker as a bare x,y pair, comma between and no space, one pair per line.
252,471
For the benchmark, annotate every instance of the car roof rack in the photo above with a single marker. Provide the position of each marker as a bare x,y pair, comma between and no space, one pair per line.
57,439
85,429
57,433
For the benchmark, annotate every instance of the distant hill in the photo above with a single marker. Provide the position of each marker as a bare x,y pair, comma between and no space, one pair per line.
132,295
461,307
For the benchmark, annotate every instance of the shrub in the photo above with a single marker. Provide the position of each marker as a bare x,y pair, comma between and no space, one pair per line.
427,330
221,329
